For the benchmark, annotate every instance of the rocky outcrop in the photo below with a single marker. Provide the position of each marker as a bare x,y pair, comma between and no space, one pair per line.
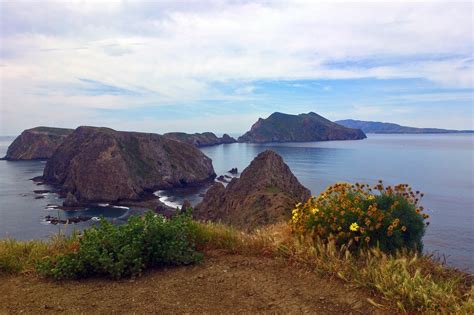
200,139
279,127
36,144
265,193
101,164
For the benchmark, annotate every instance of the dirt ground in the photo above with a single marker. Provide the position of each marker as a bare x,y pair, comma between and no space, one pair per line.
221,284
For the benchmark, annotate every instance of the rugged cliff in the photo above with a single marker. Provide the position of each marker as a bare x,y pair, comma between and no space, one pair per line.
265,193
200,139
36,144
279,127
101,164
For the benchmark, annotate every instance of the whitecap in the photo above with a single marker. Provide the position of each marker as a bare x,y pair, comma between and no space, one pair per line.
121,207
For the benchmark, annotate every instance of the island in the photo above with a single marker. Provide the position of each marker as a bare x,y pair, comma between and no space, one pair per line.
97,164
384,127
200,139
280,127
37,143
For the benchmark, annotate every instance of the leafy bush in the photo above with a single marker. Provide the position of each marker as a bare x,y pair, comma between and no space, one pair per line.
362,216
125,250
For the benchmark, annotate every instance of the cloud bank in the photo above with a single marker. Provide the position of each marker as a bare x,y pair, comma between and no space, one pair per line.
63,62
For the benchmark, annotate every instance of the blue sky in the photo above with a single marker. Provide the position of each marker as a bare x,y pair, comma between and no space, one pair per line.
220,65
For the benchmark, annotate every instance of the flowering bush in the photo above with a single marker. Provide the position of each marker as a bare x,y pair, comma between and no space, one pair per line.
362,216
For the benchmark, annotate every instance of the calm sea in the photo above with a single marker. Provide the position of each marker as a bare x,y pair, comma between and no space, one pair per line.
441,166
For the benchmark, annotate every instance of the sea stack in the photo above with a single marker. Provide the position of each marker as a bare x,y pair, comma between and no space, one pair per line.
265,193
36,143
101,164
279,127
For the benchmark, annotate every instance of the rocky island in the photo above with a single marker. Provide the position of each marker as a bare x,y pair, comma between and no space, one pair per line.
264,194
36,143
279,127
101,164
200,139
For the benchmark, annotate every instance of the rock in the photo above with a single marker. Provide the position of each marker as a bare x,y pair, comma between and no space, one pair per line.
36,144
103,165
221,178
70,220
70,201
39,197
279,127
200,139
186,205
233,171
265,193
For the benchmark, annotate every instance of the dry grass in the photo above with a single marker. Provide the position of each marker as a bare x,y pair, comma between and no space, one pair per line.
414,283
21,256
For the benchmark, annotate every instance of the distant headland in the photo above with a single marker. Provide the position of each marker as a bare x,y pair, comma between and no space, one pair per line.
384,127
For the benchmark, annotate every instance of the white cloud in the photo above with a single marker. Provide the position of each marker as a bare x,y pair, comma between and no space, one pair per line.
175,51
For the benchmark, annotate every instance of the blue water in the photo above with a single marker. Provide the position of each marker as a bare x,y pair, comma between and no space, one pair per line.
441,166
23,217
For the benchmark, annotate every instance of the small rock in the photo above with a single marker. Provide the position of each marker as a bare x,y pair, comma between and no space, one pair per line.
70,201
233,170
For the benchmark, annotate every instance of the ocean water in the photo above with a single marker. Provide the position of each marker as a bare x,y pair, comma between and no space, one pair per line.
22,216
441,166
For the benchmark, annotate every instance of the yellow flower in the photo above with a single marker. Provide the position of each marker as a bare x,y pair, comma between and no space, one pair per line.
371,197
314,210
354,227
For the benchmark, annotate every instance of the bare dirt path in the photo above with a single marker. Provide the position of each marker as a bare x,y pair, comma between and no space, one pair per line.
221,284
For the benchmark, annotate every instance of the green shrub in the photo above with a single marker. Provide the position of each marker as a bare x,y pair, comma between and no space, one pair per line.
126,250
360,216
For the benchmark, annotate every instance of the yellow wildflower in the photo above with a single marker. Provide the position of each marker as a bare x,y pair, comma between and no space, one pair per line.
314,210
371,197
354,227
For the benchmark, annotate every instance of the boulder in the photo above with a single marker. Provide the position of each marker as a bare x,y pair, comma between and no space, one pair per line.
265,193
70,201
103,165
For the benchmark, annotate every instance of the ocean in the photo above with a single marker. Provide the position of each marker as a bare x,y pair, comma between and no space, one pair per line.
440,166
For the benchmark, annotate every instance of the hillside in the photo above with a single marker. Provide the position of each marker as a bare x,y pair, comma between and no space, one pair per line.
279,127
383,127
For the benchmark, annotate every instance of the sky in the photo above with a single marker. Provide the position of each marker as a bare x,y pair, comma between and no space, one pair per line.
218,66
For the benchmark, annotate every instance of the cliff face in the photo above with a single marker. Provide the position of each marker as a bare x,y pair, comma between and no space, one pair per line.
265,193
36,144
101,164
200,139
279,127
